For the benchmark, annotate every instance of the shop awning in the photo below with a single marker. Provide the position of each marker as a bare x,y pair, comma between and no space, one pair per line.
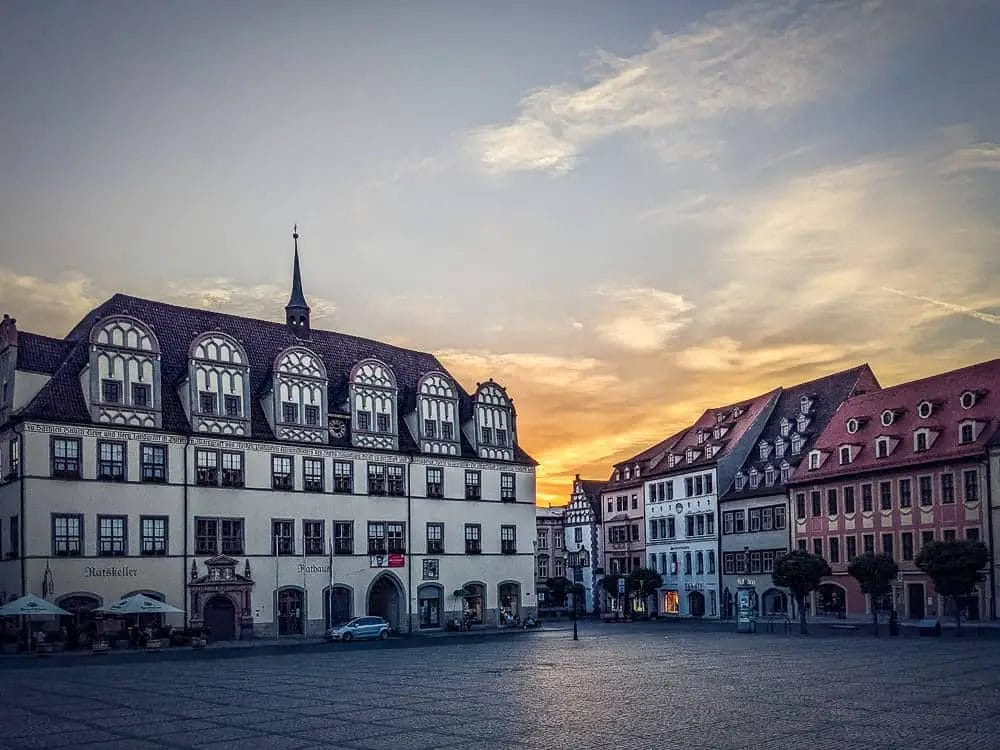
30,605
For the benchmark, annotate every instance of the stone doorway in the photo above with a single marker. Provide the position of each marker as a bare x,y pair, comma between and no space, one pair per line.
219,617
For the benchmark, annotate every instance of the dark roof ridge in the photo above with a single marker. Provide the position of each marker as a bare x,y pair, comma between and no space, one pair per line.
911,383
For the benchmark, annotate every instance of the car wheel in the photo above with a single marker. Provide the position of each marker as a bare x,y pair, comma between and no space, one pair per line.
347,637
383,635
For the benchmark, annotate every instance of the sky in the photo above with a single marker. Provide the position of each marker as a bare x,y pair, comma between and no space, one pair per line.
624,212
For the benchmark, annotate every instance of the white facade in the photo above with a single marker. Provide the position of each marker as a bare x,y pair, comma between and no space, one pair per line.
582,541
682,539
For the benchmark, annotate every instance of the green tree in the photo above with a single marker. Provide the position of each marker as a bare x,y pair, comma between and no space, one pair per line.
801,573
955,567
644,583
610,584
556,590
874,574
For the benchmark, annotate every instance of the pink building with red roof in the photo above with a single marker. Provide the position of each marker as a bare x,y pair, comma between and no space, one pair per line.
894,469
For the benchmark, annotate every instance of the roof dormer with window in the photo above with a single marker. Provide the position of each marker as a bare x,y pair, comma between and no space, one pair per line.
805,404
798,442
437,412
816,459
672,460
494,423
719,432
847,453
374,403
741,480
885,445
296,405
765,450
217,391
123,376
802,422
754,477
923,439
780,447
769,475
785,426
889,416
691,455
786,471
969,431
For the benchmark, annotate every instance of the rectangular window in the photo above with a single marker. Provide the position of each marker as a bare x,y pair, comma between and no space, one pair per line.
885,495
111,391
206,465
779,517
852,548
382,422
501,437
700,525
671,527
67,535
376,479
206,536
282,537
232,536
906,539
818,547
313,534
140,394
473,538
376,537
312,415
708,483
766,519
729,563
487,435
971,480
66,458
741,561
472,491
972,534
802,545
435,481
207,402
652,528
394,480
866,498
699,488
430,428
921,442
634,531
289,412
112,539
507,487
508,540
739,522
312,474
364,421
435,538
233,406
343,537
817,503
766,561
754,514
578,535
848,500
926,536
831,502
868,541
834,550
232,469
281,472
887,544
447,430
926,492
755,562
689,526
14,456
153,463
110,461
800,505
948,488
343,477
153,535
688,487
543,537
949,535
905,493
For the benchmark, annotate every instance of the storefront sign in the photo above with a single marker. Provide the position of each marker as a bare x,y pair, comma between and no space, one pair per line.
746,582
119,571
694,586
392,560
314,568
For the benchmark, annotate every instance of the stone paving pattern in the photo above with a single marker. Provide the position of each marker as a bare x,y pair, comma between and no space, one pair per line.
625,686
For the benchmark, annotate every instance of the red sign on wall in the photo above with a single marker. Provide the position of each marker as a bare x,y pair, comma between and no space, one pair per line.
397,560
392,560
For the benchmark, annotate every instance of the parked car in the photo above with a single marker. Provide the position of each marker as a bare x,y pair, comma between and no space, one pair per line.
359,627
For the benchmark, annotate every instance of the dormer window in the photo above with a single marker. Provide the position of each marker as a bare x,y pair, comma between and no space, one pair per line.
219,385
207,402
738,412
617,475
765,450
628,473
720,417
797,443
124,353
671,461
852,426
111,391
888,417
805,404
814,458
373,397
921,440
493,409
233,406
719,432
289,413
780,446
437,405
786,471
925,409
967,432
881,447
702,436
637,471
769,475
785,426
691,455
711,450
312,415
802,422
140,394
741,480
967,399
845,454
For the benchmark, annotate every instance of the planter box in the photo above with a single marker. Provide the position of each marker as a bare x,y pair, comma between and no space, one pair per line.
100,647
154,644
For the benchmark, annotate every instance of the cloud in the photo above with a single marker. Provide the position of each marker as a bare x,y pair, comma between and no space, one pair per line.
44,305
949,307
579,375
979,156
726,354
642,319
253,300
682,93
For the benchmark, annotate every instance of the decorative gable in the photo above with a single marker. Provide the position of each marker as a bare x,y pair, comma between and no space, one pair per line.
124,373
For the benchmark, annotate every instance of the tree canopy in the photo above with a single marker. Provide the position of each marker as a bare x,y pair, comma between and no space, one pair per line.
801,573
955,567
874,574
556,590
644,582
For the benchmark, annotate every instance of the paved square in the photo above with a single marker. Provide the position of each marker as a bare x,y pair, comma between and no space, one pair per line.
624,686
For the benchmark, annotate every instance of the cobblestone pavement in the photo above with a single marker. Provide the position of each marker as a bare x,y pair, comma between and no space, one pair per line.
618,687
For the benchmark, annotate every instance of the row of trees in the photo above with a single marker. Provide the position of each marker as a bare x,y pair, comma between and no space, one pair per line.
955,567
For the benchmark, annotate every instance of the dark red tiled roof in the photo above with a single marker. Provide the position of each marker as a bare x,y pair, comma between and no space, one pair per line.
944,390
176,327
37,353
828,393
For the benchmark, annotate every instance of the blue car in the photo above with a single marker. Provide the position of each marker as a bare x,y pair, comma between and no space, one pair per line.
359,627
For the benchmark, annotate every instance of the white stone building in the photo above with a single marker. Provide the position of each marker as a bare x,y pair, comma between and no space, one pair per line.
582,529
266,478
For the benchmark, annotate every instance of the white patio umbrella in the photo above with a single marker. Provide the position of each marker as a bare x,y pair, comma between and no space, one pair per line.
140,604
29,605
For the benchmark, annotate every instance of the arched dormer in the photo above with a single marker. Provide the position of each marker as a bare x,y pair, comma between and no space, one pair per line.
298,396
495,433
218,385
437,407
124,373
374,405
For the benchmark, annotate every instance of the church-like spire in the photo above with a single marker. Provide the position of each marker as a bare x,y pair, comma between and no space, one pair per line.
297,309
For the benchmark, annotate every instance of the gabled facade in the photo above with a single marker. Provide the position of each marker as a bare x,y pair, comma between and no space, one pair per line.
754,512
341,476
583,539
894,469
550,553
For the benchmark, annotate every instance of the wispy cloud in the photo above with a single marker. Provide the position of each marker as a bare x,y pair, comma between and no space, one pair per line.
726,354
682,92
948,306
49,306
979,156
640,318
229,296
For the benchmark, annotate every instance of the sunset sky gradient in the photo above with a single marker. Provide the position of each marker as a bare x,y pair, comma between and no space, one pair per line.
625,212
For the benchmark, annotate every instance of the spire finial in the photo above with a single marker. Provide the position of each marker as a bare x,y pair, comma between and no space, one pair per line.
297,309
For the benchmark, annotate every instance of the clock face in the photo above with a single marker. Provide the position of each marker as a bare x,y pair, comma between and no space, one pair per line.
337,428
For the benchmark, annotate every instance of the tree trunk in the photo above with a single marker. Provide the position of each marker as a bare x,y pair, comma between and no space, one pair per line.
874,616
958,616
803,629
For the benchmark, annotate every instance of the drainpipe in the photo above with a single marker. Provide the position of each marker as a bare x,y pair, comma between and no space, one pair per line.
184,571
989,526
409,545
21,473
